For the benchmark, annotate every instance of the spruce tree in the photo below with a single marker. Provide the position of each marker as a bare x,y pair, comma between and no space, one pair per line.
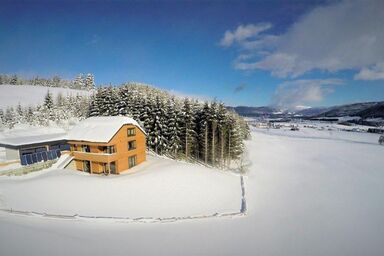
213,124
203,121
188,127
173,128
89,82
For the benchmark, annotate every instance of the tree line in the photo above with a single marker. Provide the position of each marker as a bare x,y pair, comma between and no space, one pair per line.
82,82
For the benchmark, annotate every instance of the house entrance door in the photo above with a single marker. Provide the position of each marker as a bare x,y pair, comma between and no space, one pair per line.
86,166
112,167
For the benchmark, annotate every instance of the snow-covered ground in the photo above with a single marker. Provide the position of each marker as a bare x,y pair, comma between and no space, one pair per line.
158,188
11,95
306,196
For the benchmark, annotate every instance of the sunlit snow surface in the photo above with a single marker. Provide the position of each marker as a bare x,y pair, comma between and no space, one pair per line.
26,95
308,193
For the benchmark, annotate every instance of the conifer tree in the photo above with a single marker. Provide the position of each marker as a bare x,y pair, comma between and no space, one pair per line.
213,124
188,127
89,82
203,121
173,128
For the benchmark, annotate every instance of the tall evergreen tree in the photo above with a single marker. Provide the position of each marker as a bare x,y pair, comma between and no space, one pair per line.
89,82
188,127
173,128
203,121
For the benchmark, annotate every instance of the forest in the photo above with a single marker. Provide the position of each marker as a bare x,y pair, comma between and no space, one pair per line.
181,128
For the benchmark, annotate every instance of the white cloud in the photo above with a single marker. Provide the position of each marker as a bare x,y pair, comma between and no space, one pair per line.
242,33
346,35
295,93
374,73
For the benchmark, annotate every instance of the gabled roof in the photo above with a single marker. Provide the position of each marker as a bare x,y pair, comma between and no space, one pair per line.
100,129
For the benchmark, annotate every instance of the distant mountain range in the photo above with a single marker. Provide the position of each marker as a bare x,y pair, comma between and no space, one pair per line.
363,110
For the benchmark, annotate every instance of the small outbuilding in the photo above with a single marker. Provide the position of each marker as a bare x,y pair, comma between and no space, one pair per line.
110,144
33,149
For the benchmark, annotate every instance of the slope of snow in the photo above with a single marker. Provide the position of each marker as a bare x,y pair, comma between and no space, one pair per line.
158,188
11,95
306,196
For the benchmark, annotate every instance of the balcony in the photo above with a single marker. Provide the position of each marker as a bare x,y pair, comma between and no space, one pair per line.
93,156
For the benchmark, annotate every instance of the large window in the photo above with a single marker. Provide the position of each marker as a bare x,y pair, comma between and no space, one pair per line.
131,161
108,149
85,148
131,132
131,145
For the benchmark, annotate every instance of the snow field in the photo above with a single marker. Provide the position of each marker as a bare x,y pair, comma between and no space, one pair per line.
305,196
26,95
159,188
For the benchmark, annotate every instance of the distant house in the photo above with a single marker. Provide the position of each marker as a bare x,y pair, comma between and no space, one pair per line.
33,149
110,144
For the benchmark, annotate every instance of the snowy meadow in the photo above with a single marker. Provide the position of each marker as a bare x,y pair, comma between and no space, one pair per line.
306,196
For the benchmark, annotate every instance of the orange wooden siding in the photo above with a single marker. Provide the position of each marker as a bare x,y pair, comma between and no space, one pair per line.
120,157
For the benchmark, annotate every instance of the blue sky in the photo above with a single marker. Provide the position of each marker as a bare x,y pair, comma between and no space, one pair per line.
201,48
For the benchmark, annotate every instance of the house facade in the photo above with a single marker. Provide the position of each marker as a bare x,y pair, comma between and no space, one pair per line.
108,145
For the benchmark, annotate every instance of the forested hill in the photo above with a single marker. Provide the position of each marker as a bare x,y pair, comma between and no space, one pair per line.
185,128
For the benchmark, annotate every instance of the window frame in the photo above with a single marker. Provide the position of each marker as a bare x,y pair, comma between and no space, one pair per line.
134,145
134,163
130,133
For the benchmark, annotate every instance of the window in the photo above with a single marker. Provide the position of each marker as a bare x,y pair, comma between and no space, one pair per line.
108,149
85,148
131,145
131,161
131,132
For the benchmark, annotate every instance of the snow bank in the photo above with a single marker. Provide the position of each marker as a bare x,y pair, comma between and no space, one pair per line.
11,95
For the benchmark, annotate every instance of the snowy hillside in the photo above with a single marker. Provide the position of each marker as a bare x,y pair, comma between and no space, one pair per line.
11,95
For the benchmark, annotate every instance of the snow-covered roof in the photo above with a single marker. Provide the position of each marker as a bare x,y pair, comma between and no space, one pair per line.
30,140
99,129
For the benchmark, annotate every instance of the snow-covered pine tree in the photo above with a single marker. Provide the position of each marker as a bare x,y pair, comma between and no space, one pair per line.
213,124
222,126
101,99
124,99
9,118
79,81
94,106
29,115
89,82
48,100
157,139
173,129
56,81
188,126
235,143
203,132
146,114
14,80
48,107
1,116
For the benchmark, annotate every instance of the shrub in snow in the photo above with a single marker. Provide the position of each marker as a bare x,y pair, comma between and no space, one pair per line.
381,140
